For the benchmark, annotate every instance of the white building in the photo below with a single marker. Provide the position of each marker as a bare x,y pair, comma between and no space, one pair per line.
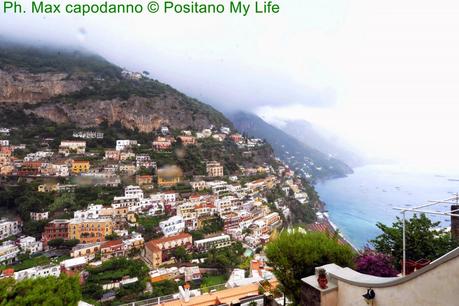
8,253
122,145
61,170
74,263
133,192
169,196
144,161
172,226
38,216
5,131
41,271
217,242
30,245
302,197
225,130
133,204
9,228
227,204
88,134
207,132
164,130
136,240
38,155
92,212
70,146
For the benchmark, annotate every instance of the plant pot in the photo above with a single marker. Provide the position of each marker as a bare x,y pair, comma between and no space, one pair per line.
422,263
323,281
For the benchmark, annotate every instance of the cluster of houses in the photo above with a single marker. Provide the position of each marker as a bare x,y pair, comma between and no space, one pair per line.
105,231
72,157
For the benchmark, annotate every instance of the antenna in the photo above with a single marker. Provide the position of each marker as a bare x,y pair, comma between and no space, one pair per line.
421,209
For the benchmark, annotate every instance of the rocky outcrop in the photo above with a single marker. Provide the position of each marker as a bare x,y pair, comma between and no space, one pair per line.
144,114
85,90
19,86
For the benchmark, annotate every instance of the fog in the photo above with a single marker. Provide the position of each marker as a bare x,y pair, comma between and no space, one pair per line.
380,75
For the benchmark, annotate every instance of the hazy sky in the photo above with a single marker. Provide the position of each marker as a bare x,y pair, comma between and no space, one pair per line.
383,75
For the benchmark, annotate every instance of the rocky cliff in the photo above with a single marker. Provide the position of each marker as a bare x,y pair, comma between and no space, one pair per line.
144,114
21,86
86,90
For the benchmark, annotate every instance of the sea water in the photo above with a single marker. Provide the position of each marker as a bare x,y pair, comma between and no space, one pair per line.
357,202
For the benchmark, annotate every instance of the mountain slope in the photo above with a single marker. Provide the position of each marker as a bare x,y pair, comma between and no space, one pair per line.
309,135
311,162
75,87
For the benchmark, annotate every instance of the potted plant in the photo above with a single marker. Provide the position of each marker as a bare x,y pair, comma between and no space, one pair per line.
322,279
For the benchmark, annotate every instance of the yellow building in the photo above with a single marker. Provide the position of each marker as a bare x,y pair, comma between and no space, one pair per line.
47,188
90,230
79,166
169,176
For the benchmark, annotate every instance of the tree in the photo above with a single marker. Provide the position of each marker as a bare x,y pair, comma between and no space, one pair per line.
112,236
61,243
49,290
375,263
423,239
56,243
181,254
165,287
226,258
295,254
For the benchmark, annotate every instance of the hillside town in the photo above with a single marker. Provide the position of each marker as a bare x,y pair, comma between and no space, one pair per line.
185,227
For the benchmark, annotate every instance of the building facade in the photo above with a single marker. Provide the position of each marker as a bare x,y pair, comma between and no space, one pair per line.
214,169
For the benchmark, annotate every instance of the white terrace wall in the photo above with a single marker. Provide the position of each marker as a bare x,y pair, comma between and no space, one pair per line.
437,287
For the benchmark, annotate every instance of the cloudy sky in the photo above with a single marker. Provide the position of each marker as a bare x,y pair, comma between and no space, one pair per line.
382,75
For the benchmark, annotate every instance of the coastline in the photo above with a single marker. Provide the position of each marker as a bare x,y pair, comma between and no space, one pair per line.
340,233
332,227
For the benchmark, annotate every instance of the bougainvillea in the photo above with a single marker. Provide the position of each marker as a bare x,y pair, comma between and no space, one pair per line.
375,263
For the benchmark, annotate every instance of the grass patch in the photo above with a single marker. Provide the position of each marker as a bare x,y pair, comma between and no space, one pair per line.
213,280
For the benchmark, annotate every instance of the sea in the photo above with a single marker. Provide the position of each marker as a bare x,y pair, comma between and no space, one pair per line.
357,202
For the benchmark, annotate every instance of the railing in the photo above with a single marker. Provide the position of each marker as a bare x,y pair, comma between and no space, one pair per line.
167,298
153,301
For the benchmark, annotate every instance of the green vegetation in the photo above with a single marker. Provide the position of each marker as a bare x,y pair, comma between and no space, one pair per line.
23,198
295,254
213,280
61,243
43,59
181,254
162,288
27,262
148,226
112,271
40,291
423,239
287,148
210,226
300,213
226,258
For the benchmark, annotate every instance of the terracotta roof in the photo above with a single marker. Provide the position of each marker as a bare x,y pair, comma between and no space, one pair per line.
8,272
111,243
151,245
224,296
171,238
318,227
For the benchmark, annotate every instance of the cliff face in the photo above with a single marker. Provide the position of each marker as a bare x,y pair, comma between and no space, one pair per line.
85,90
20,86
144,114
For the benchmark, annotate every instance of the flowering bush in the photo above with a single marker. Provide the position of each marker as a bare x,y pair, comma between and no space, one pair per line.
374,263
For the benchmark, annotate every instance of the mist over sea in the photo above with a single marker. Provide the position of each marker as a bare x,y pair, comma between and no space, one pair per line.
356,203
